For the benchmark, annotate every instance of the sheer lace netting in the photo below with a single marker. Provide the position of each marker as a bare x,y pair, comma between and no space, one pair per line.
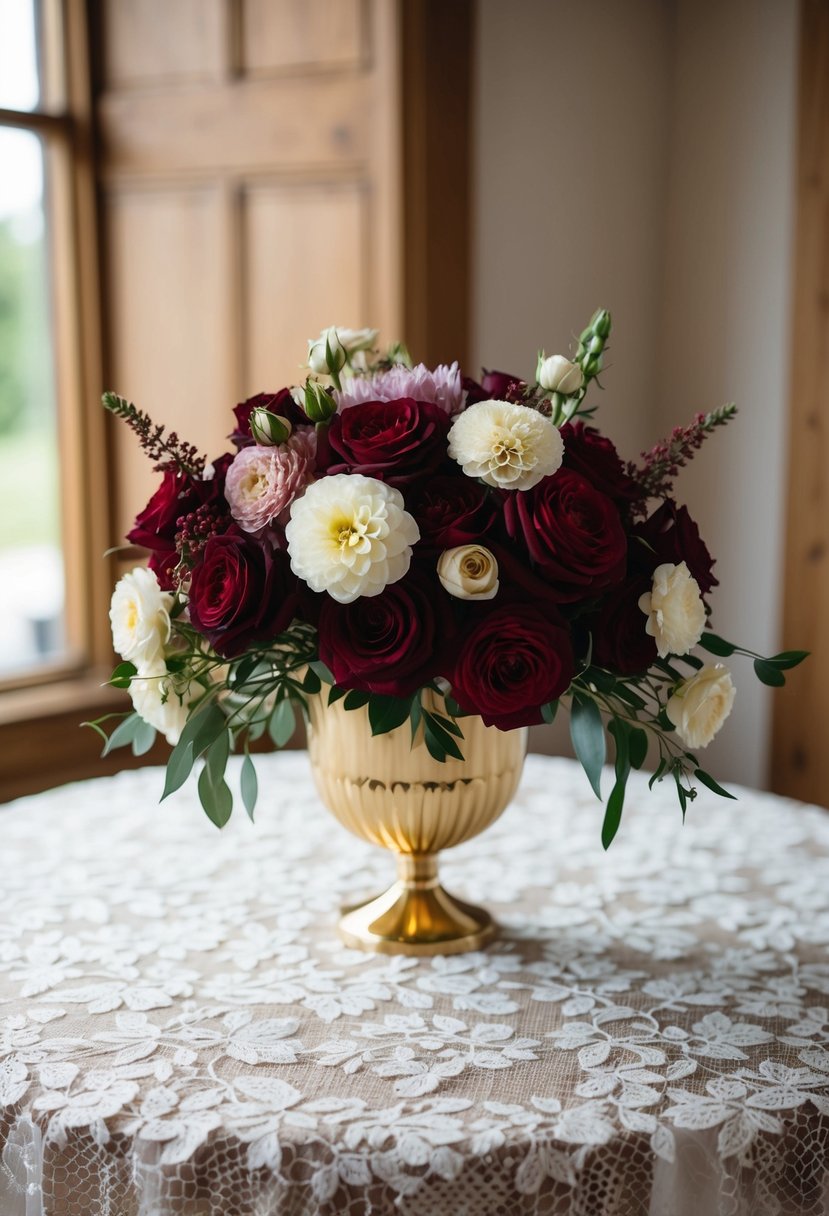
182,1033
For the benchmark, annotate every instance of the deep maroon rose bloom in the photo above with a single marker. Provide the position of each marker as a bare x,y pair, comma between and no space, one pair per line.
391,643
670,535
595,457
155,526
241,592
572,532
511,663
494,386
281,403
393,440
619,639
452,510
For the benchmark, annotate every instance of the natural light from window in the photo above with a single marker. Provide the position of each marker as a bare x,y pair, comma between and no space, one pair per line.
31,564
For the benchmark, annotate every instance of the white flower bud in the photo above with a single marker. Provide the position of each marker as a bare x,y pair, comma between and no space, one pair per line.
674,608
469,572
268,429
326,353
701,704
558,375
353,340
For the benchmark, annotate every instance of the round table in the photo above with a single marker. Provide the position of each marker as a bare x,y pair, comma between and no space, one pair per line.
182,1032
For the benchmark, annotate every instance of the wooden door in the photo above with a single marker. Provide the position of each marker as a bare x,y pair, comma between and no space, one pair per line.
801,724
250,156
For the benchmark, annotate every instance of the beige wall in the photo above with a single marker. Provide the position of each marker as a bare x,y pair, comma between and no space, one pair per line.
638,154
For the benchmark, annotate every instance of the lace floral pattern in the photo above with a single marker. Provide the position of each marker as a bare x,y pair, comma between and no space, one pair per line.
181,1031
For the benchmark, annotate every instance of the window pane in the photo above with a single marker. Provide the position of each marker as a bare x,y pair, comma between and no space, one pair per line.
19,87
31,562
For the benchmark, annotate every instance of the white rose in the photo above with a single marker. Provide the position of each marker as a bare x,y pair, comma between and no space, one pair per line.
353,340
156,699
701,704
349,535
319,350
506,445
140,617
268,429
558,375
469,572
674,608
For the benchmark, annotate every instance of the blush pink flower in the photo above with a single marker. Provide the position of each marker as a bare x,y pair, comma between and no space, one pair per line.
262,482
442,386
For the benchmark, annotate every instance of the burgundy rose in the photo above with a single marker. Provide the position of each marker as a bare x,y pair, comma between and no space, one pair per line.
620,642
393,440
670,535
572,533
392,643
452,510
594,456
155,526
241,592
494,386
512,662
281,403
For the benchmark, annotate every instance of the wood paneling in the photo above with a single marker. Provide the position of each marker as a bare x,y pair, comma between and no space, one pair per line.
146,42
312,238
302,33
169,314
801,755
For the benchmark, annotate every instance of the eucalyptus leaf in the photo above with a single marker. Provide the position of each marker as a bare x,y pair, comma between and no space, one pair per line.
143,739
249,785
549,711
123,734
282,722
179,767
707,780
587,734
216,800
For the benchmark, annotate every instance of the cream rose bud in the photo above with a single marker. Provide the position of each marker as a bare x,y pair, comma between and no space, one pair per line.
674,608
469,572
326,353
354,340
701,704
268,429
558,375
140,617
508,446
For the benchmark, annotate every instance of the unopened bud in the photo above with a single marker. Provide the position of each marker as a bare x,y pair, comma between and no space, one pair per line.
269,429
319,405
326,354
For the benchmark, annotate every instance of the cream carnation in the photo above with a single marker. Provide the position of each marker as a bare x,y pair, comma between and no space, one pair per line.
674,608
263,481
140,617
507,446
349,535
701,704
469,572
156,699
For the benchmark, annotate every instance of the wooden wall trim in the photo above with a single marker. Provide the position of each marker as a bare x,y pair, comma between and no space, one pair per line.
800,755
437,151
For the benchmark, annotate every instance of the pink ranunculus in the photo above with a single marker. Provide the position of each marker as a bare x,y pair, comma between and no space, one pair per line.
262,482
441,386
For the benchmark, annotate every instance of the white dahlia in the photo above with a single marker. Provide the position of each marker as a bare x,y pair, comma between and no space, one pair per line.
508,446
140,617
349,535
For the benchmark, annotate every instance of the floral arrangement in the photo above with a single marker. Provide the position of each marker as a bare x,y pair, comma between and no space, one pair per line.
386,528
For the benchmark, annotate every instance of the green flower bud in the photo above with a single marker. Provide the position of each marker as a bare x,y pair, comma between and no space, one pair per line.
269,429
319,405
326,354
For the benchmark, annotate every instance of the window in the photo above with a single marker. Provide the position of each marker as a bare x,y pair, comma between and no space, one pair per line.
47,322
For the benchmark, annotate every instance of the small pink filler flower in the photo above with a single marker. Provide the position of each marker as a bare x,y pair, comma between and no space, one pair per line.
262,482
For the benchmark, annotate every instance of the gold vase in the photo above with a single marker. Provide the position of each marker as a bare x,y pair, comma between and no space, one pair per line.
399,797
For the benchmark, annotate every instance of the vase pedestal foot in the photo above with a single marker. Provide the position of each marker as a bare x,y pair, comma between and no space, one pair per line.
416,916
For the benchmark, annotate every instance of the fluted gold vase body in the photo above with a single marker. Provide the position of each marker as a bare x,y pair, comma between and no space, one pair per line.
399,797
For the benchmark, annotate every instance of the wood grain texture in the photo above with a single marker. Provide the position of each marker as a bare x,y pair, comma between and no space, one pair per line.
302,33
800,760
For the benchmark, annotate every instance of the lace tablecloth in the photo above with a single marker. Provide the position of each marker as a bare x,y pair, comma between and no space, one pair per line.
183,1033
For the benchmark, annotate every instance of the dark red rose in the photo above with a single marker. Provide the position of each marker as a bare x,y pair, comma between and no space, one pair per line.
392,643
281,403
619,640
595,457
512,662
241,592
452,510
572,533
163,563
494,386
393,440
156,524
670,535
